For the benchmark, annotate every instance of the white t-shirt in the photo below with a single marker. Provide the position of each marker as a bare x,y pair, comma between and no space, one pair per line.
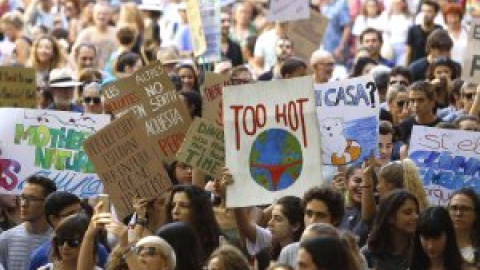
362,23
459,46
396,28
263,240
265,47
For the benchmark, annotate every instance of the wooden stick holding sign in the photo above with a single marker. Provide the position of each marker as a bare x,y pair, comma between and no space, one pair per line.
126,163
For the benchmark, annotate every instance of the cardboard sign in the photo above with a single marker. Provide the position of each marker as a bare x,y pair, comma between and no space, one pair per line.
126,163
447,160
151,95
197,33
471,60
48,143
212,97
210,14
204,147
273,147
348,118
17,87
307,34
288,10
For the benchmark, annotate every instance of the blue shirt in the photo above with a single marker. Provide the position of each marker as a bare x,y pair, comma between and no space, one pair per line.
338,19
39,256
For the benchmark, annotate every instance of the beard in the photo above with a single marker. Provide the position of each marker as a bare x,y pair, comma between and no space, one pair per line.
61,101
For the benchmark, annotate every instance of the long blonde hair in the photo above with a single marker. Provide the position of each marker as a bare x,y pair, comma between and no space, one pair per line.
58,57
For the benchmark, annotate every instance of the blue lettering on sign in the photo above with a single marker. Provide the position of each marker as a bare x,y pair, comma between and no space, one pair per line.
351,95
446,170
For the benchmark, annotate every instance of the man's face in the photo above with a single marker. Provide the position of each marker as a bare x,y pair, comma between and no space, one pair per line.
385,147
225,20
399,79
372,42
428,14
283,49
316,211
86,58
32,202
324,69
420,104
101,15
63,96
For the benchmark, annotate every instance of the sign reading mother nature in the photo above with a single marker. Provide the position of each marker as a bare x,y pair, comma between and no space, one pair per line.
48,143
347,114
273,142
447,160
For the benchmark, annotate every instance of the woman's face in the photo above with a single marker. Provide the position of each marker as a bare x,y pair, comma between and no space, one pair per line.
371,8
181,207
151,257
453,19
68,247
462,212
183,173
305,260
353,186
187,77
44,51
92,101
406,217
442,72
434,247
398,6
279,225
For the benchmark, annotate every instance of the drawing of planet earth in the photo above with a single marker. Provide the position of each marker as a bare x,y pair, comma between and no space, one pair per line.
276,159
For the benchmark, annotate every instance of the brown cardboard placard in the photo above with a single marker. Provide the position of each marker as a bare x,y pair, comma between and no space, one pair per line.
151,95
204,147
471,59
17,87
126,163
212,97
307,34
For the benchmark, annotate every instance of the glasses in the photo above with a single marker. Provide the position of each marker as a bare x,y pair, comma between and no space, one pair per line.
402,103
470,96
459,208
30,199
147,251
393,82
95,100
71,242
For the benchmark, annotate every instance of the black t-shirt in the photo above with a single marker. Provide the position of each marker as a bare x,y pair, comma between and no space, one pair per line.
417,40
405,127
234,53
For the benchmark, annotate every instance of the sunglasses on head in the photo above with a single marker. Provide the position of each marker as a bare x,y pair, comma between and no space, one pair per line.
469,96
95,100
71,242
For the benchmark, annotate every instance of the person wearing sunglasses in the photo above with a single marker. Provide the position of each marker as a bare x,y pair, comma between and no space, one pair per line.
397,102
155,253
92,100
66,242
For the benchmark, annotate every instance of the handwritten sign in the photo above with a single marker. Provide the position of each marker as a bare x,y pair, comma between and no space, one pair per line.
212,97
288,10
48,143
126,163
152,97
273,141
348,118
471,60
204,147
17,87
447,160
210,13
197,33
307,34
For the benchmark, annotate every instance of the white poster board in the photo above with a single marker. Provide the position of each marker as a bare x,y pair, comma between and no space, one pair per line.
471,57
48,143
288,10
210,13
348,119
447,160
273,141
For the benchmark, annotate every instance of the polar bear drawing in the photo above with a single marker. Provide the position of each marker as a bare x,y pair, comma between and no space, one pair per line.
336,149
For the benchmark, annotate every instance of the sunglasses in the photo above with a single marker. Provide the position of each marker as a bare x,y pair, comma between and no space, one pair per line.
393,82
71,242
470,96
402,103
89,100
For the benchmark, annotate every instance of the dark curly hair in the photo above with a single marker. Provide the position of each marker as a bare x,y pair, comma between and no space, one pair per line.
202,217
330,197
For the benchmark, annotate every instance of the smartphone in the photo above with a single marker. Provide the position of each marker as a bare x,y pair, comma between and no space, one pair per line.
106,203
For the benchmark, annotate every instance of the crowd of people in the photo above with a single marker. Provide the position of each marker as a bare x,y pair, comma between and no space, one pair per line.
374,215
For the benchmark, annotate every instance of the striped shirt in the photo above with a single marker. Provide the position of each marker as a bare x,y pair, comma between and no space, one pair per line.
17,244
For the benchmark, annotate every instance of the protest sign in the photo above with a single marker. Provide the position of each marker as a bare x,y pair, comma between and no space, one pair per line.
307,34
151,95
210,14
212,97
197,33
48,143
348,118
288,10
471,57
204,147
447,160
273,141
126,163
17,87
